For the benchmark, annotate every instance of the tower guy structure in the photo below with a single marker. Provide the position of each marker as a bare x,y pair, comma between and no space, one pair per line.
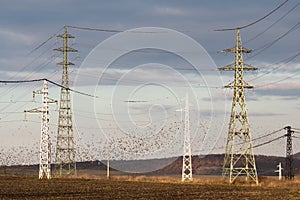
187,171
45,145
289,168
65,144
239,158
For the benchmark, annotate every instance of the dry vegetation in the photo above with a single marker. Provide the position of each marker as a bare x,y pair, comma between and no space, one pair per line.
142,187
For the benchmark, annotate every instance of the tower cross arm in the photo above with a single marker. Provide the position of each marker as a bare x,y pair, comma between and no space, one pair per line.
249,67
68,49
233,50
49,100
68,63
65,36
245,85
231,67
34,110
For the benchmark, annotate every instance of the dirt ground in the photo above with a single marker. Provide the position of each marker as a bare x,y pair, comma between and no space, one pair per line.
16,187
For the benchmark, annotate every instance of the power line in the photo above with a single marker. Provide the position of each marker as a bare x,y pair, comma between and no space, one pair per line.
284,61
26,91
296,131
11,121
5,102
269,141
268,45
110,30
44,42
274,138
281,80
75,91
149,51
15,112
143,81
34,59
20,96
282,17
22,81
94,29
37,69
260,137
137,121
252,23
54,83
268,134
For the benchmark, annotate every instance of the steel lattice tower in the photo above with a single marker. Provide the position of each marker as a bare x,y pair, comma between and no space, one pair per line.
187,173
289,168
65,144
239,158
279,171
45,145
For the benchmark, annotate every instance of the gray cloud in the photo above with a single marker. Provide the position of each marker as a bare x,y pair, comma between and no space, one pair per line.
267,114
39,19
281,92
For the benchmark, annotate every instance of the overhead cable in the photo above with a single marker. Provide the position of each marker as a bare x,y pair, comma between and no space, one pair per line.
284,61
54,83
43,43
252,23
278,20
109,30
268,45
278,81
269,141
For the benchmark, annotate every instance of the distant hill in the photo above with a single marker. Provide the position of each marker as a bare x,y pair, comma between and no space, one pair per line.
212,165
202,165
206,165
297,156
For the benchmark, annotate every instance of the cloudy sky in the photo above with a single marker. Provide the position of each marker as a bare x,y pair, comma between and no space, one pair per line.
156,79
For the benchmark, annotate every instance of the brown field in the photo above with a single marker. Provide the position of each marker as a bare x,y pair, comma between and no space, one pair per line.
142,187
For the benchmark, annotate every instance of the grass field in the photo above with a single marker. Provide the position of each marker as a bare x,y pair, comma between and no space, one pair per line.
15,187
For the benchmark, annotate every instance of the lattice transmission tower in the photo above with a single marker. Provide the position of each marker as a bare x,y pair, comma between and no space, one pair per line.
239,158
289,168
187,171
45,145
279,170
65,144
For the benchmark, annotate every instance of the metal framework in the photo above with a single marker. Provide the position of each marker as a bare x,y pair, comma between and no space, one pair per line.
279,171
65,144
239,158
187,171
45,145
289,168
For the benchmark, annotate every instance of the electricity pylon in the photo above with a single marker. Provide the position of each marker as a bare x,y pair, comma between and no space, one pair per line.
187,173
289,168
279,171
65,144
45,145
239,158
